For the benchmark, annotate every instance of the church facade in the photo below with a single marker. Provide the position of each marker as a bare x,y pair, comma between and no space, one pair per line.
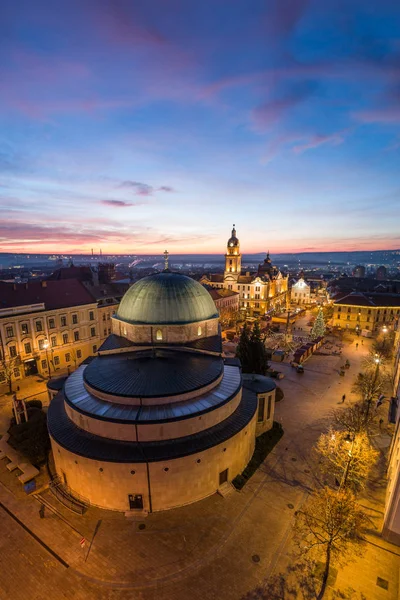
263,292
159,418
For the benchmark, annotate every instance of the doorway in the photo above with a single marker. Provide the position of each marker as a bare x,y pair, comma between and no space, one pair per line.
223,477
135,501
30,367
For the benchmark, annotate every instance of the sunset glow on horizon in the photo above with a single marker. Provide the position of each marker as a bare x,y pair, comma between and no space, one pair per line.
139,126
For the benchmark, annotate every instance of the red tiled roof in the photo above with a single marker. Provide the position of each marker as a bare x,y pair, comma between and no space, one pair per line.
372,300
216,278
216,293
54,294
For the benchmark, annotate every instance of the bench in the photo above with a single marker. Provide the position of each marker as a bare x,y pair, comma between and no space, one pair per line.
12,466
28,472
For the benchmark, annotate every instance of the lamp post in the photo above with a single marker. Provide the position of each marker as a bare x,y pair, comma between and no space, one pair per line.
46,347
377,362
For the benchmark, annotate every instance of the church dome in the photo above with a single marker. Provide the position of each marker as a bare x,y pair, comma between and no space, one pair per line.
166,299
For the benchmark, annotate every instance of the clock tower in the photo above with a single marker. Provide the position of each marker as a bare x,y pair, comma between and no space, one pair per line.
233,259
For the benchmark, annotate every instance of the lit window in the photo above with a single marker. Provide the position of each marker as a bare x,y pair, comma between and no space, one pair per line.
159,335
199,330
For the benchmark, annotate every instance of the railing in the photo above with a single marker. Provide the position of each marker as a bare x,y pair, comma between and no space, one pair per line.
68,498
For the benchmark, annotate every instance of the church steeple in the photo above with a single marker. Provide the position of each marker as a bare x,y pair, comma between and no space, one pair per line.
233,259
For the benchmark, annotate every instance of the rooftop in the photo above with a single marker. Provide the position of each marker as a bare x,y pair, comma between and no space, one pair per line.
370,299
152,373
166,299
53,294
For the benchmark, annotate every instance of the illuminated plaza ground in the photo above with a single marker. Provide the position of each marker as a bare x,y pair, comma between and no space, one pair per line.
207,550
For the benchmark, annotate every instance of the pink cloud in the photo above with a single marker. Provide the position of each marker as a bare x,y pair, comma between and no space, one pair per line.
318,140
387,115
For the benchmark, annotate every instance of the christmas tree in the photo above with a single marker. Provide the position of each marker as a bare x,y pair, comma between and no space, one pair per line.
318,329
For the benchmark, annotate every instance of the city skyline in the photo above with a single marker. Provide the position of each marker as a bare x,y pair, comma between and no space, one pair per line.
134,128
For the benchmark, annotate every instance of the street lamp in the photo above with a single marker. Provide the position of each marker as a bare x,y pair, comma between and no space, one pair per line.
377,362
46,347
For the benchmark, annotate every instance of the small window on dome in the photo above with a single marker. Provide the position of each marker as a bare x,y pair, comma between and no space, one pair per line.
199,330
159,335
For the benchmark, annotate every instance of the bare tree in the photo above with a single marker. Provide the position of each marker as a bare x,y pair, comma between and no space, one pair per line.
346,459
7,366
354,418
330,527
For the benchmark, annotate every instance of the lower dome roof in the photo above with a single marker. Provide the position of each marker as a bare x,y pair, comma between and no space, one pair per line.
152,374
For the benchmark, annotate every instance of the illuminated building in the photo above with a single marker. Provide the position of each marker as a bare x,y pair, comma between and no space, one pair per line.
159,418
259,293
300,292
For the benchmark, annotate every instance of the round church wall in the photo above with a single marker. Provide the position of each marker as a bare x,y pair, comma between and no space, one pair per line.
165,334
163,484
163,430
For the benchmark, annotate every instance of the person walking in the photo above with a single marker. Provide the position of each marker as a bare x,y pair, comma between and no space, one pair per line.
357,346
343,398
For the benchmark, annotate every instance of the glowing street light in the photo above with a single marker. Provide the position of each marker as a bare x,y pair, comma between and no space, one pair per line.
46,347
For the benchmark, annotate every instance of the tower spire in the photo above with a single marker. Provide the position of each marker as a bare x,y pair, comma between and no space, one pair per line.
166,255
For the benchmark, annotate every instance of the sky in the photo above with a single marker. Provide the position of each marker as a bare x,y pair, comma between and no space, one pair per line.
135,126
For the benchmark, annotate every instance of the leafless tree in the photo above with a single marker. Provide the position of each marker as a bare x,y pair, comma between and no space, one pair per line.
330,527
354,418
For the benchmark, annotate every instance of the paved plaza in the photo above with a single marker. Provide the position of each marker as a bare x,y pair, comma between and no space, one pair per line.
217,548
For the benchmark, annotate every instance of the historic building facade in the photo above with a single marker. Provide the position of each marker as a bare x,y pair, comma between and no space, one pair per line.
391,520
369,311
300,292
45,327
159,418
260,293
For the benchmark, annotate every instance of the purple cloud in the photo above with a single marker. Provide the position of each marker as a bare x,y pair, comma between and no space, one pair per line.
144,189
117,203
140,189
318,140
272,111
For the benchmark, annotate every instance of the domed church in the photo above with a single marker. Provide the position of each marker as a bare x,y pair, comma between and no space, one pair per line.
159,418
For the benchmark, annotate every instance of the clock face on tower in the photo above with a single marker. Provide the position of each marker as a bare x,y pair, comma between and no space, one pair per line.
231,244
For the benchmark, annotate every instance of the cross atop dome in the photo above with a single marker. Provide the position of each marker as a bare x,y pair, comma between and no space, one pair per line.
166,255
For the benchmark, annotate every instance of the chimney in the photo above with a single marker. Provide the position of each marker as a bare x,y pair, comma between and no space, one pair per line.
44,284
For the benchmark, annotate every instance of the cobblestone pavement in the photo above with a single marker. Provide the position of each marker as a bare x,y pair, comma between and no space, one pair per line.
217,548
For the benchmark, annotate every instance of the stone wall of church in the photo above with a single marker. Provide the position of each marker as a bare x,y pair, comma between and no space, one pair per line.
163,485
162,334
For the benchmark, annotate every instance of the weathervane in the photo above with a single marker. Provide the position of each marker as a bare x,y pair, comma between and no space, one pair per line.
166,254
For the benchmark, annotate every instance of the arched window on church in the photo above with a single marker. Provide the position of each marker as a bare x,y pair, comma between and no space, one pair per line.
199,330
159,335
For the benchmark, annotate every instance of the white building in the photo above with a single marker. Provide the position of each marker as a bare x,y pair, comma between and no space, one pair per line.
300,293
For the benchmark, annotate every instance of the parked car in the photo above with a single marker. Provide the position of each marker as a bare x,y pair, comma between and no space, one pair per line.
300,369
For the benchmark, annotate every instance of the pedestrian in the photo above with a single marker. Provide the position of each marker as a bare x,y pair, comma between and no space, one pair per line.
41,511
343,398
357,346
362,342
